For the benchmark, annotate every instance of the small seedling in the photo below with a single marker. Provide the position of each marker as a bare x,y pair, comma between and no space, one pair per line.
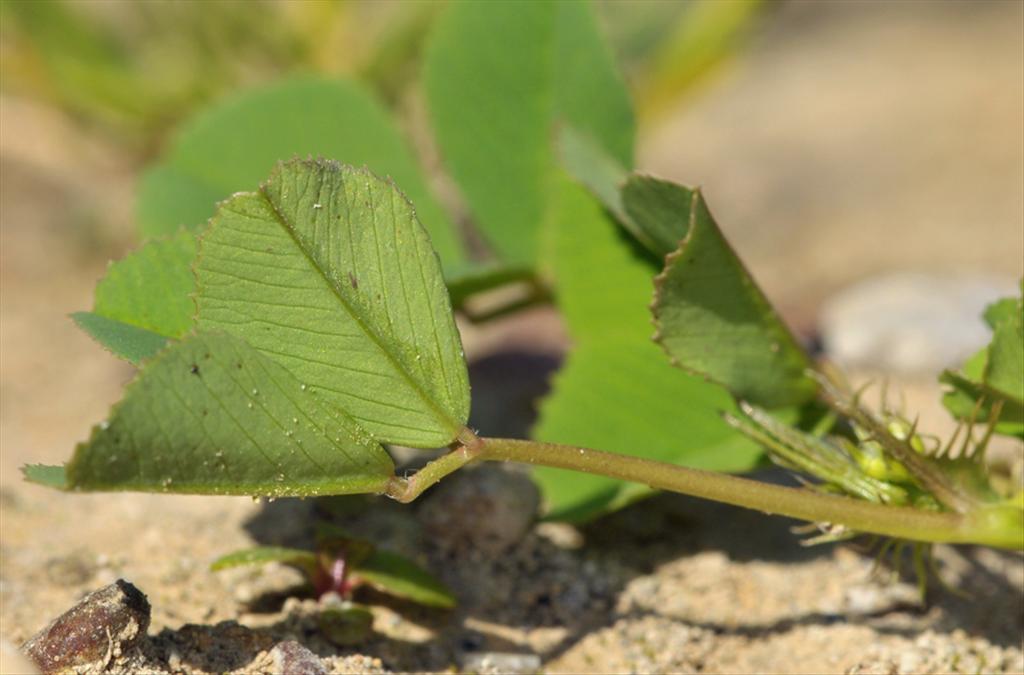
339,566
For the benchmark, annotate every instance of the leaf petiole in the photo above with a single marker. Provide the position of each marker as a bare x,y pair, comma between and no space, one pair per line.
993,525
466,449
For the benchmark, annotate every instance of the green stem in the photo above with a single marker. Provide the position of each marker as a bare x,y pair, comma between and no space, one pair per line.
931,479
465,451
990,527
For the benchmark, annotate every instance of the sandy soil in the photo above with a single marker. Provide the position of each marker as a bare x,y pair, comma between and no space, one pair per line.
844,143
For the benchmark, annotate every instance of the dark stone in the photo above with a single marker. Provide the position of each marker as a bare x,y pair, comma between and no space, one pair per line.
105,624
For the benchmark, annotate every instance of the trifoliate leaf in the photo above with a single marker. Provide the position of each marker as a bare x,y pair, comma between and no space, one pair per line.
327,271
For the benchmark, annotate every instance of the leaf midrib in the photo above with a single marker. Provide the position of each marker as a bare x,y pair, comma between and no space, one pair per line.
367,330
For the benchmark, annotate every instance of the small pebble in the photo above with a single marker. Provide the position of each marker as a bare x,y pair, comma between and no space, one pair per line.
292,658
876,599
487,509
500,662
914,324
104,625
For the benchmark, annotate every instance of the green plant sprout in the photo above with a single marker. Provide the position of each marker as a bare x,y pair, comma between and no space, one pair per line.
342,564
339,566
309,324
324,329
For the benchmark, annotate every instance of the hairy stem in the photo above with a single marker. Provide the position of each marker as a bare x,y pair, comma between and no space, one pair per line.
930,478
992,527
465,451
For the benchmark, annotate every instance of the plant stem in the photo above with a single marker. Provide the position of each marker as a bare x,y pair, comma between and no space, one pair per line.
994,526
932,480
467,449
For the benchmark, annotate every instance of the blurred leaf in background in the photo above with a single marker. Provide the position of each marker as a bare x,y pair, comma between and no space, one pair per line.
135,69
668,47
493,113
232,144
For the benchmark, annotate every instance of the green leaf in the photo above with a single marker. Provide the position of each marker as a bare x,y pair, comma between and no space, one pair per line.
962,402
211,415
172,197
261,555
617,392
385,571
151,288
1001,310
494,150
493,116
711,317
993,375
653,211
124,340
345,624
623,397
74,62
590,94
1004,370
659,212
398,576
595,169
706,33
327,271
49,476
145,299
234,144
974,366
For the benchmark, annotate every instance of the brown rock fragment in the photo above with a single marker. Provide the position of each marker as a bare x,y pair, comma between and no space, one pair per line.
291,657
104,625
